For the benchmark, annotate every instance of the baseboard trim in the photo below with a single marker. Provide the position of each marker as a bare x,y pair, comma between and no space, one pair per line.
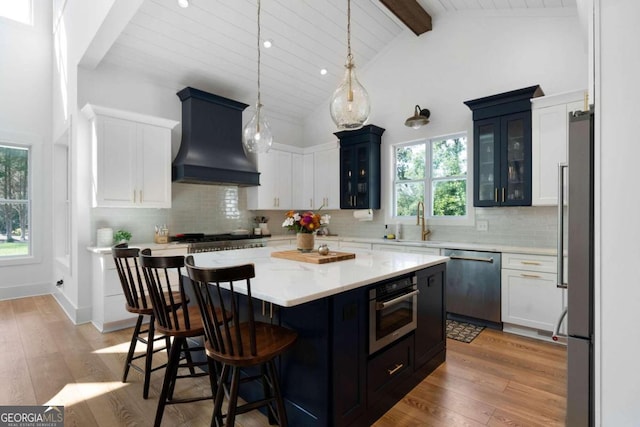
23,291
76,315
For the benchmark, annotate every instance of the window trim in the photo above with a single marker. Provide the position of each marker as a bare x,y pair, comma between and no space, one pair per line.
467,220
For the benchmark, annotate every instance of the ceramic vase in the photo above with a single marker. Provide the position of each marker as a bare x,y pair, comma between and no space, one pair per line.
305,241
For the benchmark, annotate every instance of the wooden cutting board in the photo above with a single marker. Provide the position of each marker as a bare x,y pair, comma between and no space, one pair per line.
313,257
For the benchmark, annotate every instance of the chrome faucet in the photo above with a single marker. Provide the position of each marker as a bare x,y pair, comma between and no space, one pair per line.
425,231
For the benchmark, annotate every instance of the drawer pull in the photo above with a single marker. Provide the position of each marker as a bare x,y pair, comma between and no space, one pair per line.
396,369
530,263
531,276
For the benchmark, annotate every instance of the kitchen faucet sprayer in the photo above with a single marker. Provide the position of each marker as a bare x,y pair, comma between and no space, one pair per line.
424,231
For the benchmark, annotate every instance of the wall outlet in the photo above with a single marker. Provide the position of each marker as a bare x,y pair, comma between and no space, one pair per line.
482,225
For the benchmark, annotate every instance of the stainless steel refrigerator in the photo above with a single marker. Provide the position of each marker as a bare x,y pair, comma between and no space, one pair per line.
579,281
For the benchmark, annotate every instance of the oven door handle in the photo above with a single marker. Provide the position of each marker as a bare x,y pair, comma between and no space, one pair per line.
383,305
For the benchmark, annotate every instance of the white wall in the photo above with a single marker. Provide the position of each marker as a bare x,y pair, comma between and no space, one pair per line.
25,117
75,28
466,56
617,230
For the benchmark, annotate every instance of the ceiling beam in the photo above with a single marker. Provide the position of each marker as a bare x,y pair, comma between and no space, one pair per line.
411,14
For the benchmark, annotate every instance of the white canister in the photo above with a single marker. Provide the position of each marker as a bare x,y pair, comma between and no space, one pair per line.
104,237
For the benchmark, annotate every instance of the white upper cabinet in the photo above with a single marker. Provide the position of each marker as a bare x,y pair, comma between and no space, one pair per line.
293,178
275,189
326,178
131,158
302,181
550,132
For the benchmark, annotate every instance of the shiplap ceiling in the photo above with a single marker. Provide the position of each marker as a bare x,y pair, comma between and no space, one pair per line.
211,45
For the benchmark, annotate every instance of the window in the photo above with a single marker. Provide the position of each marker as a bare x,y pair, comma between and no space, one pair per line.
17,10
434,172
15,206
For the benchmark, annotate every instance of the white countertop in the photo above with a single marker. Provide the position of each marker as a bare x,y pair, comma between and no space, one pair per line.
490,247
288,283
152,246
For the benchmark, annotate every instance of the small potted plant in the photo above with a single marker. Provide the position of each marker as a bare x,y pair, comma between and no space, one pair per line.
122,236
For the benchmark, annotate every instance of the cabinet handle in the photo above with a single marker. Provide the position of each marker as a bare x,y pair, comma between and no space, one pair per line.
270,310
311,203
396,369
471,258
134,196
140,196
503,194
530,263
263,309
530,276
495,194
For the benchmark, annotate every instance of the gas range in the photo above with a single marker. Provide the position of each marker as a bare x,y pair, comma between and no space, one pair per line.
200,242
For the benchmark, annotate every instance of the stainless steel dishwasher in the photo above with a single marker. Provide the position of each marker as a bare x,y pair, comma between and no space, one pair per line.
473,287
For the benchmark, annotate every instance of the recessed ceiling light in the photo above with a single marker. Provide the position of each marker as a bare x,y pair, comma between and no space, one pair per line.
183,3
323,71
267,43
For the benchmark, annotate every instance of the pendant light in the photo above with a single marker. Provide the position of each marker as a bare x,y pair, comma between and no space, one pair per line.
256,135
420,118
350,102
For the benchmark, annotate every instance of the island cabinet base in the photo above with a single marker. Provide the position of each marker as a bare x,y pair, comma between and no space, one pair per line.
329,378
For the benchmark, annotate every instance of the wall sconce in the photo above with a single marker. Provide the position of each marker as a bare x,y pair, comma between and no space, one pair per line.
419,118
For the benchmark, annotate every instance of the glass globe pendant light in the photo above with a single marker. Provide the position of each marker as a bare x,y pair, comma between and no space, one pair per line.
350,105
256,135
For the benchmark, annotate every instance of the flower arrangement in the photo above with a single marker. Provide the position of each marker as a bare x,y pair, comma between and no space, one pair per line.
307,222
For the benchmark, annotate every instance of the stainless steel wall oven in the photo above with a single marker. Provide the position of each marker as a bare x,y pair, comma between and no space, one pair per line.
392,311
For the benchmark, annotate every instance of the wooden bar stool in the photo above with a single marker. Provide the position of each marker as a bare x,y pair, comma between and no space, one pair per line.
137,302
174,318
237,344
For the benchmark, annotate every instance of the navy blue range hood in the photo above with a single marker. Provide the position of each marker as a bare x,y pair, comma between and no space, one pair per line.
211,150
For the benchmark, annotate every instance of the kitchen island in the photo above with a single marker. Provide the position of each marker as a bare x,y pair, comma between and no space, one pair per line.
330,377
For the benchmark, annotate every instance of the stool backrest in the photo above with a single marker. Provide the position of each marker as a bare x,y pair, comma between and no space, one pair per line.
131,278
163,277
230,335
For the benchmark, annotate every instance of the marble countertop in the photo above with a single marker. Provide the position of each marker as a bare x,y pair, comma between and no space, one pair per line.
152,246
288,283
490,247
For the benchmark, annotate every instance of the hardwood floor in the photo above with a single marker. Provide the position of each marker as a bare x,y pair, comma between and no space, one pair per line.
498,380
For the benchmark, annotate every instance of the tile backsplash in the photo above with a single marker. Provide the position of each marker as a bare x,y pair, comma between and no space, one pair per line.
220,209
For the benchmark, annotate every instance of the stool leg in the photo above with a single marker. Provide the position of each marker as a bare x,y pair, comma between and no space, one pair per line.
132,348
233,396
187,356
266,390
149,358
169,379
282,413
216,419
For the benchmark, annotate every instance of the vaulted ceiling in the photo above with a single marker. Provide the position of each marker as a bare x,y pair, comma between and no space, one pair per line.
212,44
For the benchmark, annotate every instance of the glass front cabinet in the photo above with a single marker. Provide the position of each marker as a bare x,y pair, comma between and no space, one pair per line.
360,168
502,148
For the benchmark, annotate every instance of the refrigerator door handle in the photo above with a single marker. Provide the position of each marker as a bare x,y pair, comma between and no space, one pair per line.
561,283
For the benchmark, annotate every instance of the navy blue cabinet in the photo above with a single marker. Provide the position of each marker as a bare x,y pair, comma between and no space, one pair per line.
502,148
430,334
360,167
323,376
328,377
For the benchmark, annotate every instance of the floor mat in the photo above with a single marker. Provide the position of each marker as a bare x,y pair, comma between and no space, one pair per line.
461,331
